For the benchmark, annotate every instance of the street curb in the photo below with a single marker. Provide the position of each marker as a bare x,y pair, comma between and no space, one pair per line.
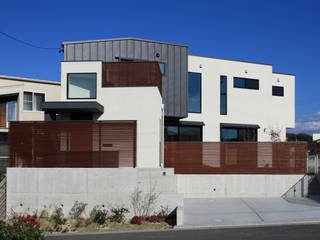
190,228
250,225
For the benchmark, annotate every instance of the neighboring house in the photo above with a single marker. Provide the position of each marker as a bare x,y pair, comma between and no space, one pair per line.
20,100
316,137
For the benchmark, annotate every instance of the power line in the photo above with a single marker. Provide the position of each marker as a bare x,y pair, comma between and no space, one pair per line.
29,44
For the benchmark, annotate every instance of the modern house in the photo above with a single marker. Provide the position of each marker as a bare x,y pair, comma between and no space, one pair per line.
196,126
20,100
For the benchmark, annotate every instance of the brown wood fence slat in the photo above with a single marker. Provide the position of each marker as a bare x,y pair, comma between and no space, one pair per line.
129,74
236,158
72,144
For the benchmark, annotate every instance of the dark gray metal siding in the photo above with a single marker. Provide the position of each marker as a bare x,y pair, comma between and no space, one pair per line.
175,57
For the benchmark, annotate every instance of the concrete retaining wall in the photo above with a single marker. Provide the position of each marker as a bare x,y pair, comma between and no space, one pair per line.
35,189
235,185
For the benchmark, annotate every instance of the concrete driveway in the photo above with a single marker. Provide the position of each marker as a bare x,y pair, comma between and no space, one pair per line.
243,211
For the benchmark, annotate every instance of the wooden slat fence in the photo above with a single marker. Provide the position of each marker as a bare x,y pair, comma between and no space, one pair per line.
236,158
72,144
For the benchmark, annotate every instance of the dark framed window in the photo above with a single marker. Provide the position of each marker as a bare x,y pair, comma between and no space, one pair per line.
184,133
230,134
32,101
246,83
223,95
81,85
277,91
194,92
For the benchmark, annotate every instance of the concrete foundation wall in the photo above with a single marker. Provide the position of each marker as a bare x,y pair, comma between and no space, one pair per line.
35,189
235,185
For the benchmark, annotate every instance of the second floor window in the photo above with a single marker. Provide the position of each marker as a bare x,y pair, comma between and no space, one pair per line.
32,101
277,91
246,83
194,92
82,86
223,95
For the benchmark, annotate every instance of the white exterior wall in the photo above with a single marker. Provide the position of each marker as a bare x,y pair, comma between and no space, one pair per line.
244,106
235,185
142,104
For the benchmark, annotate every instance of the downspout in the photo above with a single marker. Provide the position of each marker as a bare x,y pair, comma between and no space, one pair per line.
162,138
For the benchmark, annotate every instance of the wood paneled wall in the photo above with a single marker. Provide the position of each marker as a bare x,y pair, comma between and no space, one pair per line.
3,115
72,144
130,74
236,158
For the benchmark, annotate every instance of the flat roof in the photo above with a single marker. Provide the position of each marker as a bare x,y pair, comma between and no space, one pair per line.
29,80
228,59
78,106
127,38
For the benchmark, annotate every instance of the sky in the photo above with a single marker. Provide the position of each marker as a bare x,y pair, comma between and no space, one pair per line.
283,33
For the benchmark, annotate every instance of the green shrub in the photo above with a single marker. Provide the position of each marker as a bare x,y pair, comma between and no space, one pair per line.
77,210
98,215
23,228
118,214
57,218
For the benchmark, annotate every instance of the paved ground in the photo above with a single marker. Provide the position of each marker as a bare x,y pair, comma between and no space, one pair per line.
294,232
240,211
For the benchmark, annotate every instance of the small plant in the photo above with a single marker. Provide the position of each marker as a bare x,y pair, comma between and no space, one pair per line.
118,214
57,218
153,219
21,228
78,210
137,220
144,203
163,212
44,214
98,215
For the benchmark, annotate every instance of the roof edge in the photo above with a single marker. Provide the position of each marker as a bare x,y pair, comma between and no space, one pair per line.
29,80
228,59
128,38
290,74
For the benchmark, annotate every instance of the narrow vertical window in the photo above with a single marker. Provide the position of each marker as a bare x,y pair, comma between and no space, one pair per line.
194,92
223,95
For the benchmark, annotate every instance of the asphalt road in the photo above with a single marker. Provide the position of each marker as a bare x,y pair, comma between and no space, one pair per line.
292,232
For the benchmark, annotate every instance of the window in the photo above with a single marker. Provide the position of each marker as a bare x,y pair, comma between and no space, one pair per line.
32,101
223,95
82,86
162,68
3,145
182,133
27,101
11,111
230,134
194,92
277,91
245,83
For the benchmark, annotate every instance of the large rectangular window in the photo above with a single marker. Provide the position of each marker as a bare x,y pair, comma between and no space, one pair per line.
82,86
194,92
230,134
277,91
223,95
174,133
246,83
32,101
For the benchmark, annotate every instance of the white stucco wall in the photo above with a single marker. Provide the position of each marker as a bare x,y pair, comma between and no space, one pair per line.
142,104
35,189
235,185
244,106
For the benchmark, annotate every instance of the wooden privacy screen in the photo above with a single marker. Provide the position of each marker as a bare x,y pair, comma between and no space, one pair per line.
236,158
3,116
72,144
130,74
